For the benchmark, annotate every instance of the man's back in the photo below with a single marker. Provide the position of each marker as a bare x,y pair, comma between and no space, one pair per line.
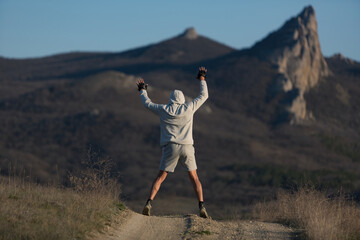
176,118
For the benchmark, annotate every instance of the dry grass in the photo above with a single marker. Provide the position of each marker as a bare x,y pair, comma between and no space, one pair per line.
96,178
320,217
32,211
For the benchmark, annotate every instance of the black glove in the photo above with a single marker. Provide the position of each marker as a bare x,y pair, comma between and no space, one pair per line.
201,73
142,86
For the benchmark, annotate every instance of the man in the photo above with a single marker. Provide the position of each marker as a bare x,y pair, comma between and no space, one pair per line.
176,122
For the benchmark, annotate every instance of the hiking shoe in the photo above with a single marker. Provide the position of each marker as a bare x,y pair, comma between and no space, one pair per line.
203,213
146,210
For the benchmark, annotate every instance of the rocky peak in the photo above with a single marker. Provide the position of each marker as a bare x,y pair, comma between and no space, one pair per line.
308,18
190,33
295,51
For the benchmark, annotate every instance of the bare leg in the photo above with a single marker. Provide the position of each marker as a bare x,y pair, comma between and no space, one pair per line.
196,184
157,183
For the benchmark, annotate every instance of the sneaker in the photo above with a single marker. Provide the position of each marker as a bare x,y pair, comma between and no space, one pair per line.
203,213
146,210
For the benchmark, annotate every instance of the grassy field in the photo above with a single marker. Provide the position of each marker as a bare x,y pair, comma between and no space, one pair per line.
33,211
320,217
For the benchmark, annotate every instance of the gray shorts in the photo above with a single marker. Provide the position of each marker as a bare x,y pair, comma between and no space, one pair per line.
172,153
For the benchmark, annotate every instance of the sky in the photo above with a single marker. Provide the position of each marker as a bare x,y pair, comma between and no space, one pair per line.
45,27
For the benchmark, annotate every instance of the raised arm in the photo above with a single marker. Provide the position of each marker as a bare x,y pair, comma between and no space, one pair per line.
146,101
197,102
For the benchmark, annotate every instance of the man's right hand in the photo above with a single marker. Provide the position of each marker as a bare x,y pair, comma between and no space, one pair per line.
202,73
141,84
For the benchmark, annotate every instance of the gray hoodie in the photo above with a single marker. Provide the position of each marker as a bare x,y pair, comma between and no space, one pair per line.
176,118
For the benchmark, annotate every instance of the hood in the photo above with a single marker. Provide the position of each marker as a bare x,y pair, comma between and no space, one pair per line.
177,97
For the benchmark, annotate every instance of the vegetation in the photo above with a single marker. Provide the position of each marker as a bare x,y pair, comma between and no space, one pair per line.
320,217
33,211
341,147
286,177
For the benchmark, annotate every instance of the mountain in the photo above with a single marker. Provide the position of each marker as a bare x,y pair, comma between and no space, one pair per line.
291,53
279,114
295,51
187,47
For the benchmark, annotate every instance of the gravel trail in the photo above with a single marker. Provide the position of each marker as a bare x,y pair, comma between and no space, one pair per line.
134,226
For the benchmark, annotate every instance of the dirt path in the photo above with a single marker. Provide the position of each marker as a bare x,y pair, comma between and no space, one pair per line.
136,226
262,230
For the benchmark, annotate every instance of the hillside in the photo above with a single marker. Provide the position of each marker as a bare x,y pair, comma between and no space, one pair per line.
279,114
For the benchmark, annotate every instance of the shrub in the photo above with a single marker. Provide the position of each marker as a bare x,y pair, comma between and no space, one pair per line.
96,178
320,217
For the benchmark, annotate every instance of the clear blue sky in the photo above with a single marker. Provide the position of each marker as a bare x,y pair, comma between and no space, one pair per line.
45,27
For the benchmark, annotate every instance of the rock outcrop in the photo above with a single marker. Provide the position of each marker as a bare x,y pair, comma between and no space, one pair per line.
340,57
190,33
295,51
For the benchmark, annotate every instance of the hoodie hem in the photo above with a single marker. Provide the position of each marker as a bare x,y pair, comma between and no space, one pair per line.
177,142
